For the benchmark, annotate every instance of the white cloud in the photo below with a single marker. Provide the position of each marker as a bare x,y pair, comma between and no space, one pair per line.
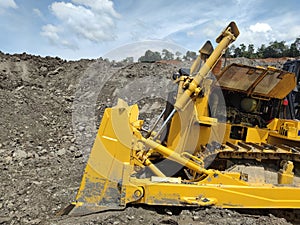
181,26
256,38
85,20
190,33
52,33
285,27
260,27
8,4
88,24
99,6
37,12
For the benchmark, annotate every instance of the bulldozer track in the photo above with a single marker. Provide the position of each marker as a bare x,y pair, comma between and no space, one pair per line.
243,150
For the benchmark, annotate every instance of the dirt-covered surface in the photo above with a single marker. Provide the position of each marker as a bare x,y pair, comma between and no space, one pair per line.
50,109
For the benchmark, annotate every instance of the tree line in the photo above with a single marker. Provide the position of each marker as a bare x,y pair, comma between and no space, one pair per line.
151,56
276,49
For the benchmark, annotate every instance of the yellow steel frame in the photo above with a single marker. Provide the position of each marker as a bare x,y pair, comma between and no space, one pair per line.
108,183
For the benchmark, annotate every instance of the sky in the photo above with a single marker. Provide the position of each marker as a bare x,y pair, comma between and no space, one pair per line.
75,29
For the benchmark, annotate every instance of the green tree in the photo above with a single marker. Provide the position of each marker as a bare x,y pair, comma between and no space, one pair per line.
190,55
243,50
294,50
231,50
275,50
237,52
167,55
250,51
150,57
178,54
260,51
297,43
128,60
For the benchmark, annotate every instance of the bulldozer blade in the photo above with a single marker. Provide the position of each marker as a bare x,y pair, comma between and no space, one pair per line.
105,182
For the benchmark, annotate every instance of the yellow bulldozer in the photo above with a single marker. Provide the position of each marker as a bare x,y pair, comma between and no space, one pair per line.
223,140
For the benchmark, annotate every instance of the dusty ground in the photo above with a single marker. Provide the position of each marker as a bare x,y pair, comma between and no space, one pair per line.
50,109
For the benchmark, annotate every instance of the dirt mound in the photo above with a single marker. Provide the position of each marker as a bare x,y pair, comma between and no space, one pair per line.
275,62
50,110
